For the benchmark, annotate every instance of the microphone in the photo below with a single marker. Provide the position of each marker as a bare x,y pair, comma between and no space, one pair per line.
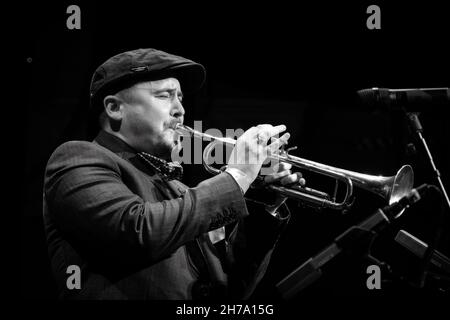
411,99
419,248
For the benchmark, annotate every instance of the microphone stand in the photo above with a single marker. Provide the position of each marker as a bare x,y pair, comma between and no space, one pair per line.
416,126
355,239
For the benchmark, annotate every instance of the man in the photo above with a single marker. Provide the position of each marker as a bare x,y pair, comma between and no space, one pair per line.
115,209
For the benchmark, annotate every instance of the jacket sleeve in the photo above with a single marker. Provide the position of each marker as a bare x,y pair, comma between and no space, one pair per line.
92,205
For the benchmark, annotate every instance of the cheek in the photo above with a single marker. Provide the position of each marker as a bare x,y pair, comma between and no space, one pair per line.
156,112
146,118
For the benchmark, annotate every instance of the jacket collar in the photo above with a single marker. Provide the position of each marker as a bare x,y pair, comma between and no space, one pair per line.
125,151
115,144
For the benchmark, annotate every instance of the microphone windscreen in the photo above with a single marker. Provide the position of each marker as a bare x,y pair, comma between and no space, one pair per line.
373,98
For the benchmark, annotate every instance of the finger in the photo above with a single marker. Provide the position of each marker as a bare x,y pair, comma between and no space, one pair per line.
300,178
267,131
274,146
290,179
302,182
262,132
283,139
276,176
277,130
296,177
281,166
284,166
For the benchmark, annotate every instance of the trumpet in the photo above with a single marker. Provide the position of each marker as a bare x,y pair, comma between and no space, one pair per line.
391,188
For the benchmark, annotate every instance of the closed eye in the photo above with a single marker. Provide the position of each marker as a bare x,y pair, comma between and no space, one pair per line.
169,94
164,95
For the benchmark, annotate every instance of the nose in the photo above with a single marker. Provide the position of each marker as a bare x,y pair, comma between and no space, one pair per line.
177,109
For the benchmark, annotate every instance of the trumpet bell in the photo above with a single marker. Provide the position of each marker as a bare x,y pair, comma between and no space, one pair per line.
402,184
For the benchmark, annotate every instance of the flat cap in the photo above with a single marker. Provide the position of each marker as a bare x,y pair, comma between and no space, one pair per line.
125,69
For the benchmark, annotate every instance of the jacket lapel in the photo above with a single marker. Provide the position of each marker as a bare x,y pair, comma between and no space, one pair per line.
154,177
125,151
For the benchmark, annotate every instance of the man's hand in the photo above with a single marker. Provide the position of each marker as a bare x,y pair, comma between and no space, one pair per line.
250,152
251,149
283,176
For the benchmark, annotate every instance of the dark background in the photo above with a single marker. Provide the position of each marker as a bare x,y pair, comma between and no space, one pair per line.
266,63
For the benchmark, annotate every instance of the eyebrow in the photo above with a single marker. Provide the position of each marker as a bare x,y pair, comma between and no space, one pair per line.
171,90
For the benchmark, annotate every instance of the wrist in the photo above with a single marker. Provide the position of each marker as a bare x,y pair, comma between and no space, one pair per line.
242,179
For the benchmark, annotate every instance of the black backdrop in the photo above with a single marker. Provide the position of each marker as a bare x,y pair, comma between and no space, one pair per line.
266,63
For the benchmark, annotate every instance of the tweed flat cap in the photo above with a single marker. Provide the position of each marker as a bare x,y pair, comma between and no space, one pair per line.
125,69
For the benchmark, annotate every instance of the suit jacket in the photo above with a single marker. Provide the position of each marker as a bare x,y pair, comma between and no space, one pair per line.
131,232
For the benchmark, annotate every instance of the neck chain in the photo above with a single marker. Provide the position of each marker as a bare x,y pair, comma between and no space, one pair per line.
168,170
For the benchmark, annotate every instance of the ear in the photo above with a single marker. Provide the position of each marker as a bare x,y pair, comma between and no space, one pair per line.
113,107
